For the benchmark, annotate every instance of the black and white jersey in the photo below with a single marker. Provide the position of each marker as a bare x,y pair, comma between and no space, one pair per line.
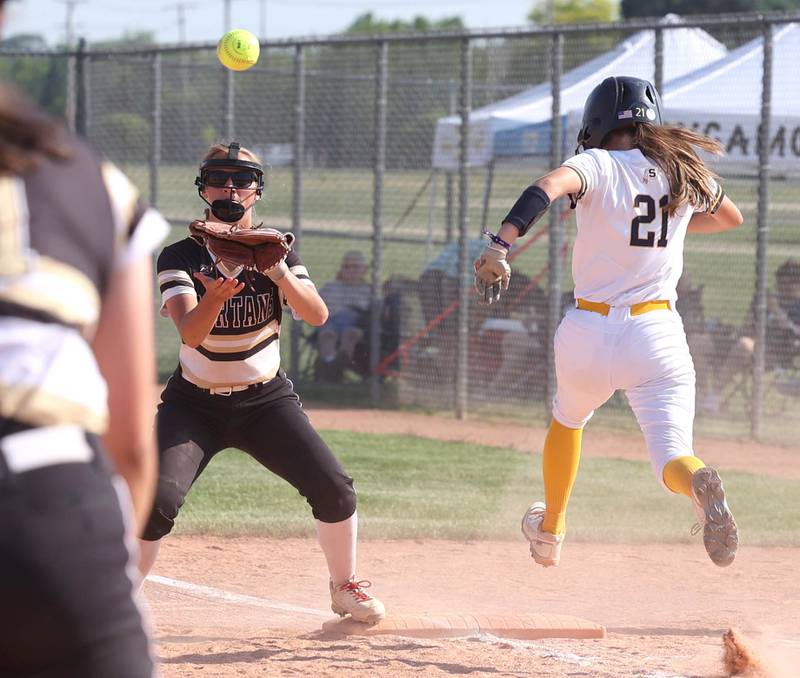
63,230
243,346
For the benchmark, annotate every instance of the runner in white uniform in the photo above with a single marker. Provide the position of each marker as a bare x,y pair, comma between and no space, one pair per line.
638,188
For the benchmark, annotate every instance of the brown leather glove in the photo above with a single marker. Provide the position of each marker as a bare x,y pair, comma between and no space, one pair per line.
257,249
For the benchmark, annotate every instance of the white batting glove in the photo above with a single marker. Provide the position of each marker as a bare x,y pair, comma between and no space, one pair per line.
492,273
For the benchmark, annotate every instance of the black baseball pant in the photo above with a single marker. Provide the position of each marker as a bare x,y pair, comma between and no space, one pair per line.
267,422
67,606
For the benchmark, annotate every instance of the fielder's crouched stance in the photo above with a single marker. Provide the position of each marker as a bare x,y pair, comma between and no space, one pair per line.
638,188
229,390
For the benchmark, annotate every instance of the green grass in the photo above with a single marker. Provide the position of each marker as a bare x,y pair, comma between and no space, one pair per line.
416,488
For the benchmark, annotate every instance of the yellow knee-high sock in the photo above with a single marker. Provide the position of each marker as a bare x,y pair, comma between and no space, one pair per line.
678,473
561,455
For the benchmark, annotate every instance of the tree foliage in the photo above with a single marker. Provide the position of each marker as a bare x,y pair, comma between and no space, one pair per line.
41,78
368,24
547,12
340,93
657,8
24,41
130,131
573,12
128,39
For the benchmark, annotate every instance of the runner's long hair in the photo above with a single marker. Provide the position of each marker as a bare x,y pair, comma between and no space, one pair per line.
674,149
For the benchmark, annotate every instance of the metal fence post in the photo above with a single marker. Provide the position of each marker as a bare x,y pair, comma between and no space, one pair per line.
487,195
556,239
155,139
297,186
71,102
762,237
229,122
81,91
184,112
464,283
659,60
452,107
379,169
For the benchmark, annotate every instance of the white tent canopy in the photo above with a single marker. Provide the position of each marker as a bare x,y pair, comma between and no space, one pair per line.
521,124
723,100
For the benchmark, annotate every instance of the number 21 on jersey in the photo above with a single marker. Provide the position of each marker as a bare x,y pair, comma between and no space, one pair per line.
649,204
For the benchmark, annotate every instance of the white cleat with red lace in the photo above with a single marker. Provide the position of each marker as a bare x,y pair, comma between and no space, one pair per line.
351,598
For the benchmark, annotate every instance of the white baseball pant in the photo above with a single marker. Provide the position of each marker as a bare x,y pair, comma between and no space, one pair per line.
645,355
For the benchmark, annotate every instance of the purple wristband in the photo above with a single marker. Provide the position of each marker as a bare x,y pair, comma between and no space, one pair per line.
497,239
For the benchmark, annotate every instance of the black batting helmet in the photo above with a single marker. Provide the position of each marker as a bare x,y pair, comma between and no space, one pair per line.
615,103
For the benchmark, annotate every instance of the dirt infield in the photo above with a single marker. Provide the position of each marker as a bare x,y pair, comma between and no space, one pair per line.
255,607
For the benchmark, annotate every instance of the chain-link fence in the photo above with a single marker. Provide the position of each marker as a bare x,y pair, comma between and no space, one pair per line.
388,156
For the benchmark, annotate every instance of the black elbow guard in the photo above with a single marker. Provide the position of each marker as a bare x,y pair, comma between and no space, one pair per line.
531,205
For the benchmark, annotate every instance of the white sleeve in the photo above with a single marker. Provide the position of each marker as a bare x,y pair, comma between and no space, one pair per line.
151,230
138,230
174,282
303,276
589,166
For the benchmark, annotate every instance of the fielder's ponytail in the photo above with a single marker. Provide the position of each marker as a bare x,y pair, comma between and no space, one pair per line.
27,135
674,150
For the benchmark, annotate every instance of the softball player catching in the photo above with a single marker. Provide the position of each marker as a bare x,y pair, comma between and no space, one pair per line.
228,389
638,188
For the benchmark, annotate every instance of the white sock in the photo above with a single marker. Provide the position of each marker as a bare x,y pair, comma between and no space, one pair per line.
338,543
148,552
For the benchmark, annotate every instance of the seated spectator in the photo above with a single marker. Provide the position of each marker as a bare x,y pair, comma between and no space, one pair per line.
782,343
398,291
348,301
392,318
438,288
701,342
514,341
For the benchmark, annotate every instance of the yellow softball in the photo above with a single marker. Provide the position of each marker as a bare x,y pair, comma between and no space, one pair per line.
238,49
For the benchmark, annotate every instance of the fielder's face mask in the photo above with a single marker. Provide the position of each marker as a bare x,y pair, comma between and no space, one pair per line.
242,174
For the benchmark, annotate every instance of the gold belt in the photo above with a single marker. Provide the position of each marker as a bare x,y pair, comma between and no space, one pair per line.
636,309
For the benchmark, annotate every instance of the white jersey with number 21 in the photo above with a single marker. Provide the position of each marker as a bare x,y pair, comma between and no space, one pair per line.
627,249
